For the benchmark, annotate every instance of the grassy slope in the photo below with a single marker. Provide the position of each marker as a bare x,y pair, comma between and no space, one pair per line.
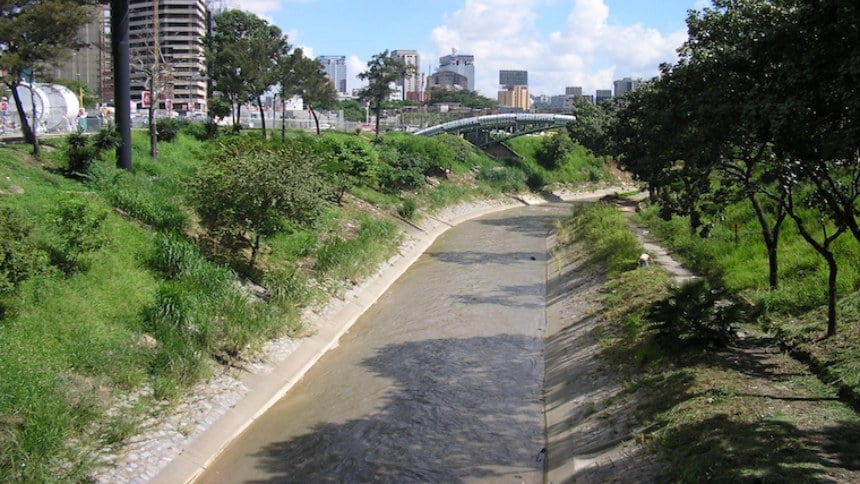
73,345
730,416
795,310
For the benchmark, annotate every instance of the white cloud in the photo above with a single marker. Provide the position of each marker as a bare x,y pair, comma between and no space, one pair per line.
590,51
258,7
354,65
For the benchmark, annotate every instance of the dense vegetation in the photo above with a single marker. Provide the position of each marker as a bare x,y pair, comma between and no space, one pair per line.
745,133
117,283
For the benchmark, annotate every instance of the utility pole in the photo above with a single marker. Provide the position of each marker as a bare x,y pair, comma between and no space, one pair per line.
121,77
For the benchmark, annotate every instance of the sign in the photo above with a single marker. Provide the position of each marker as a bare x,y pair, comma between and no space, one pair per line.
145,99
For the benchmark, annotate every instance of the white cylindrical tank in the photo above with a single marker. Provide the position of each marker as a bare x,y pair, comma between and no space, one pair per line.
56,106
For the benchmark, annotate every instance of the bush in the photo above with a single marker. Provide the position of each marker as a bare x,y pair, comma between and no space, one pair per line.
554,150
288,288
407,210
20,259
248,188
79,154
82,150
695,314
506,179
79,227
536,181
167,129
407,173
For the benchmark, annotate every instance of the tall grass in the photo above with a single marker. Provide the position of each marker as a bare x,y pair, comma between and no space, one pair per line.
354,258
608,235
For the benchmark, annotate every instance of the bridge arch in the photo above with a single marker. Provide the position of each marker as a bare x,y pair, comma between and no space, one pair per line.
479,130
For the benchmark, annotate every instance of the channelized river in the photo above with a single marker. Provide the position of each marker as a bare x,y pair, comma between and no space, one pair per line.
440,381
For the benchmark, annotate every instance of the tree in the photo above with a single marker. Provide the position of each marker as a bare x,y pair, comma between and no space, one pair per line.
304,77
244,52
469,99
247,188
382,71
33,34
591,125
352,110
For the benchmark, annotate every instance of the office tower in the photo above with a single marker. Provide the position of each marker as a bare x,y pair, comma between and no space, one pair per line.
335,69
516,97
623,86
514,78
573,91
462,65
602,95
181,26
411,84
90,63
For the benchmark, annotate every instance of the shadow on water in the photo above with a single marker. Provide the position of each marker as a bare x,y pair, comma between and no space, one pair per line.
530,225
471,257
459,409
522,296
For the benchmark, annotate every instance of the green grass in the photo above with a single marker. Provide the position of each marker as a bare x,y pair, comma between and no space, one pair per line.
711,417
580,166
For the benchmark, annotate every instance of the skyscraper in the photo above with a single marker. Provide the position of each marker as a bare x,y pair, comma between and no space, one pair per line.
623,86
602,95
335,70
90,63
410,84
464,65
514,78
181,28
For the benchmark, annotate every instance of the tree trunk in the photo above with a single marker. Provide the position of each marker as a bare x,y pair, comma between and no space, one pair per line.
22,113
316,118
255,249
37,150
262,115
153,128
237,123
283,121
831,293
377,109
771,239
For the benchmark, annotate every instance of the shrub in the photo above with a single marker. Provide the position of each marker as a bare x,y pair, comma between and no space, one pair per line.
79,227
288,288
407,209
349,160
554,149
695,314
106,139
536,181
406,174
20,259
167,129
249,187
79,154
507,179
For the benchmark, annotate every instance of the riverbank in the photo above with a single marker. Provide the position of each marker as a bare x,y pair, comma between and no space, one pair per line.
179,444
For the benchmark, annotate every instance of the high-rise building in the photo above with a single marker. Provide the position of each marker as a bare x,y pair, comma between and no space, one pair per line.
602,95
90,63
448,80
463,65
335,70
514,78
623,86
573,91
181,26
516,97
410,84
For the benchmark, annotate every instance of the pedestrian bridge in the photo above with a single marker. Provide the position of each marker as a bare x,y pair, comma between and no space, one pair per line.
485,130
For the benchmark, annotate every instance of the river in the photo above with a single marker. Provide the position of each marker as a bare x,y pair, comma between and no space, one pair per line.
439,381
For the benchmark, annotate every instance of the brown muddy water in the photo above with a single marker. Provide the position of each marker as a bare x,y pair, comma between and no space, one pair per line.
439,381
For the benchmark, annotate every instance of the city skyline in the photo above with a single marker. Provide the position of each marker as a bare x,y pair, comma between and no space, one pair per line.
588,43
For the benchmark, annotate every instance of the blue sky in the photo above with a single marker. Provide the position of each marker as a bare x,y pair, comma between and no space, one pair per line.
560,42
